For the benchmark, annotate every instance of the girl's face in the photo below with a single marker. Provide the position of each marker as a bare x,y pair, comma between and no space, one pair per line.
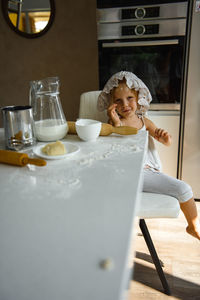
126,100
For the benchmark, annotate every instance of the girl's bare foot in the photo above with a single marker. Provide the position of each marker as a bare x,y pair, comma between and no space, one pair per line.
193,232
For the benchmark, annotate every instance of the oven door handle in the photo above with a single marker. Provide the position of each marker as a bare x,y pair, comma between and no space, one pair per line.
141,43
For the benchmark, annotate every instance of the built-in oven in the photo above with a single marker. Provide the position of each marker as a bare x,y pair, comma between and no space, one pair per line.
148,40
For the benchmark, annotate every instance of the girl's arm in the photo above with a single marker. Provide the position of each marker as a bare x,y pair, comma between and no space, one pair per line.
114,118
159,134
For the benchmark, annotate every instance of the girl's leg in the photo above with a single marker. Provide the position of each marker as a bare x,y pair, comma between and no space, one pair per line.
189,209
158,182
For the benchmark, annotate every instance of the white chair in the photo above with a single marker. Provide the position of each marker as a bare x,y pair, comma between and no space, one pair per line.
152,205
156,206
88,107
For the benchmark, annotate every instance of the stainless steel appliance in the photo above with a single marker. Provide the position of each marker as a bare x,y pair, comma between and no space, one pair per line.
148,40
189,158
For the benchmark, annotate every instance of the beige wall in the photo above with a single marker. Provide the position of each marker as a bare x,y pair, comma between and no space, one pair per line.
68,50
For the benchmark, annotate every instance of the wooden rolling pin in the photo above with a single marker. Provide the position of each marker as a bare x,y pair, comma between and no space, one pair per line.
107,129
19,159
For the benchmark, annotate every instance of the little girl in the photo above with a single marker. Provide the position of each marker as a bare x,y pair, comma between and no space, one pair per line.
126,99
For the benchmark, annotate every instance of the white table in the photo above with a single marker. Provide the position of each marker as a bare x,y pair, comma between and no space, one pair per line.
59,222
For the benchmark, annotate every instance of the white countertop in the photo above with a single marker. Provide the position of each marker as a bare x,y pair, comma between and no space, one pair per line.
59,222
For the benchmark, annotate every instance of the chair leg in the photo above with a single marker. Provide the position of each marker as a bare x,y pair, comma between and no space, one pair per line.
154,256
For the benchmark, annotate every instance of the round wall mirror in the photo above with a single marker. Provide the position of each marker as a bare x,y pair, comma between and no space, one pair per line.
29,18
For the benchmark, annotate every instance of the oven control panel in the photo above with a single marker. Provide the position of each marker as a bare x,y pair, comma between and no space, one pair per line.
140,13
161,20
137,13
140,29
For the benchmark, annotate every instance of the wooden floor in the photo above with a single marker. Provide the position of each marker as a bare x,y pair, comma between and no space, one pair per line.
180,254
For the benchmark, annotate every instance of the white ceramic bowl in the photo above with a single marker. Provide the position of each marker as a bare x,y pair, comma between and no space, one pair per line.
87,129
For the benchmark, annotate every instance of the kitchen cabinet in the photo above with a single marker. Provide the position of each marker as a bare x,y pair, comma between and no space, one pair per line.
168,120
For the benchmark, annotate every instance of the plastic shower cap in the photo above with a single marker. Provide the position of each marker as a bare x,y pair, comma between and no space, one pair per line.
133,82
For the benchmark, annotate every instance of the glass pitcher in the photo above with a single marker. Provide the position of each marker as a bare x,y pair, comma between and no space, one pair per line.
50,122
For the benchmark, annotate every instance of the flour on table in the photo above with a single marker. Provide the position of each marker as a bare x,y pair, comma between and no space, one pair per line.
112,150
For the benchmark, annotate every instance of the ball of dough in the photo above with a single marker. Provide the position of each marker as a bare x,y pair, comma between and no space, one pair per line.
53,149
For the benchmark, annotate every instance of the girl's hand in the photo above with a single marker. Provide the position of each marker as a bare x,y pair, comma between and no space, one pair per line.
113,115
162,136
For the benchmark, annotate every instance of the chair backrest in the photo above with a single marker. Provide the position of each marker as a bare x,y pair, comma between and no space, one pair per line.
88,107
